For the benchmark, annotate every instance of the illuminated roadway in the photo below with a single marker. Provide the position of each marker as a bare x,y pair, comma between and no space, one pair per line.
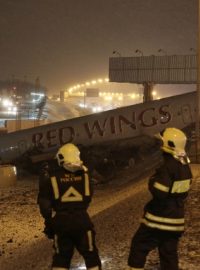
58,111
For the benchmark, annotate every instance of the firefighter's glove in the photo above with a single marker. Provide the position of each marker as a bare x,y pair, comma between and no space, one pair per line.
48,230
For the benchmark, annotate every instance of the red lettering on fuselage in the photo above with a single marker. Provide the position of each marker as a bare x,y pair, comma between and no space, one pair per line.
66,135
149,121
123,119
37,138
112,125
152,121
53,137
165,115
96,126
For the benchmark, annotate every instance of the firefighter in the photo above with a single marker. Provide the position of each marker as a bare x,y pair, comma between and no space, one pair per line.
64,196
163,220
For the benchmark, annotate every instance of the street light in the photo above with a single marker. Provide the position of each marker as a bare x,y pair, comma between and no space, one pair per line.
117,53
193,50
139,51
162,51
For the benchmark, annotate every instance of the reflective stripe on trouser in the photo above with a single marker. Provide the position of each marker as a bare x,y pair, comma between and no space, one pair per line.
147,239
65,243
89,251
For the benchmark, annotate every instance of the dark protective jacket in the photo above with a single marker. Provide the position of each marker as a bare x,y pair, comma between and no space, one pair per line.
169,187
65,196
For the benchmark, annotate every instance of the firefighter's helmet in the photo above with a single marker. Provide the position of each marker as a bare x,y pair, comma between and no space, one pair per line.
174,141
68,156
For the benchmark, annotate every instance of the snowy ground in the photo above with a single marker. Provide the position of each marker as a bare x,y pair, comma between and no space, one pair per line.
116,210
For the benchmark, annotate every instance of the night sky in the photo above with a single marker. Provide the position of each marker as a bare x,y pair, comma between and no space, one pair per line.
65,42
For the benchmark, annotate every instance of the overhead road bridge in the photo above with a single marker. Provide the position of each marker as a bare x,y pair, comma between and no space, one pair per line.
150,70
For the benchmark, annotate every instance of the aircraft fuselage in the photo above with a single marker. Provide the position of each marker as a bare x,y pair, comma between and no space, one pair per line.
123,123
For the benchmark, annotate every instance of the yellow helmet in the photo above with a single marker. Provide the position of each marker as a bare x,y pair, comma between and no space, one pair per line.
68,156
174,141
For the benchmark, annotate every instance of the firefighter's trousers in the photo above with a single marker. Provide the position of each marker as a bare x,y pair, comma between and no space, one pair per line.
147,239
84,242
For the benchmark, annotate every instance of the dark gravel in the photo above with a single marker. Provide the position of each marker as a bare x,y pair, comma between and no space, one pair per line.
115,210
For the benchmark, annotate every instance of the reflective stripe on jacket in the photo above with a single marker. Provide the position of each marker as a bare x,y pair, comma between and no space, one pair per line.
61,190
169,187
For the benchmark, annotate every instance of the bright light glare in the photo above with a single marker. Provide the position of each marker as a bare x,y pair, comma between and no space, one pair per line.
9,113
88,83
108,97
82,105
37,94
154,93
7,103
97,109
